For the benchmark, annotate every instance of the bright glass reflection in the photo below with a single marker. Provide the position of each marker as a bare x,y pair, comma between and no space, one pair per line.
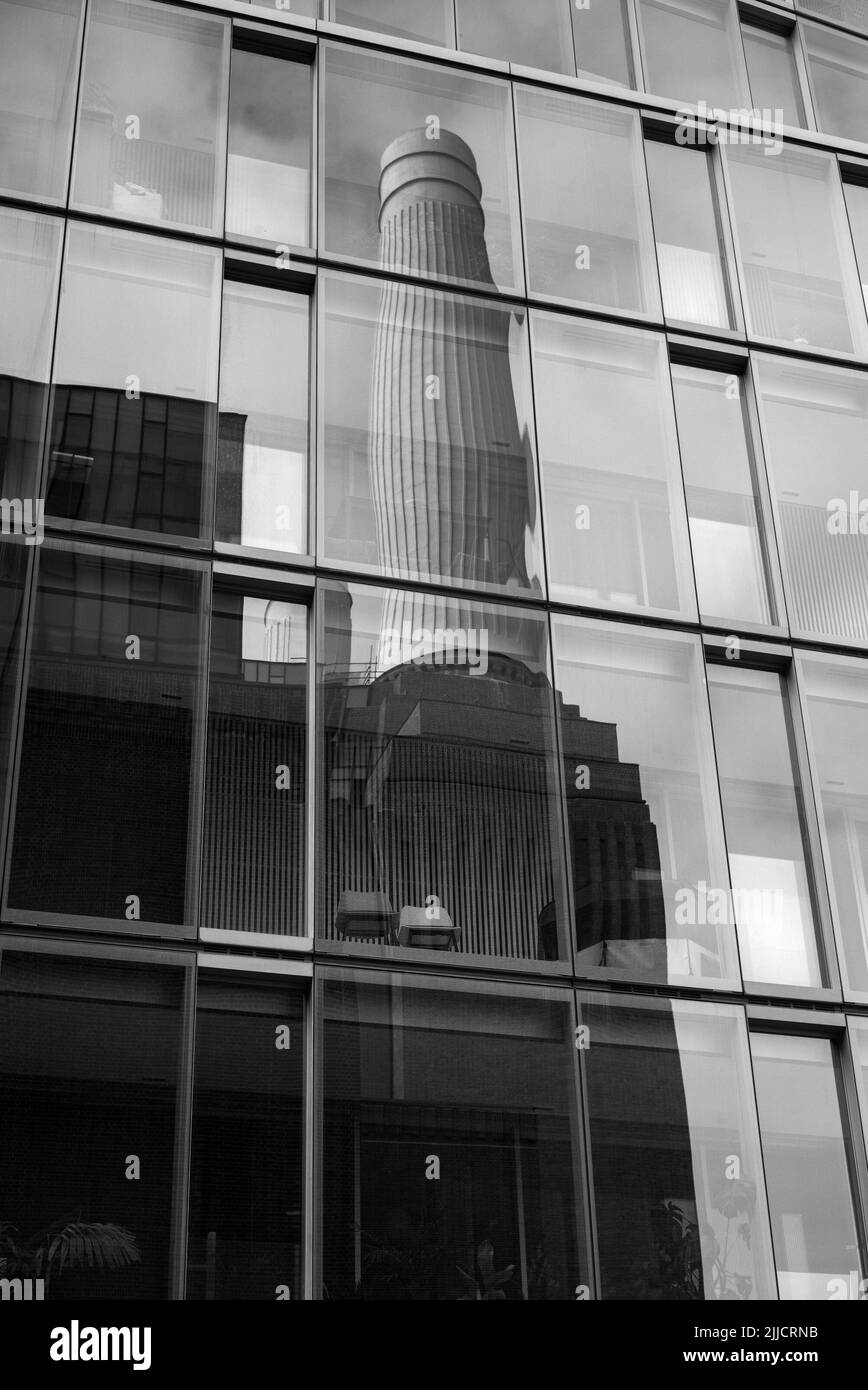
39,52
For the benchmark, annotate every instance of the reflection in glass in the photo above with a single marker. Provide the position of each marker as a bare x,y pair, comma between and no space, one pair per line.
109,726
688,232
419,169
808,1163
538,35
151,136
676,1168
858,1036
270,132
439,795
253,877
650,882
615,518
766,836
247,1144
475,1089
90,1052
774,82
839,76
262,450
726,527
135,382
588,230
427,437
799,274
424,21
815,422
14,555
29,263
39,56
692,51
850,13
856,196
835,700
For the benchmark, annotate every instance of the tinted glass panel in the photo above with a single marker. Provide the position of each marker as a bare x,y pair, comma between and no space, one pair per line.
151,138
687,228
692,50
270,131
650,882
39,55
774,83
135,382
450,1161
677,1174
726,529
440,809
799,274
857,208
852,13
13,571
538,36
816,444
839,76
89,1058
29,256
427,437
247,1147
588,228
419,169
773,897
808,1160
109,725
615,518
255,770
428,21
601,37
835,699
262,453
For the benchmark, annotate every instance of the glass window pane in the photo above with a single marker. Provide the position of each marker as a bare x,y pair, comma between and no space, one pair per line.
687,228
255,774
90,1052
835,701
646,845
799,273
808,1163
29,263
14,557
248,1143
692,50
852,13
588,231
854,1287
427,433
539,36
425,21
270,133
766,836
474,1088
677,1173
109,725
419,169
839,76
726,528
262,450
135,382
151,139
601,38
39,56
774,82
441,815
815,422
856,195
615,519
